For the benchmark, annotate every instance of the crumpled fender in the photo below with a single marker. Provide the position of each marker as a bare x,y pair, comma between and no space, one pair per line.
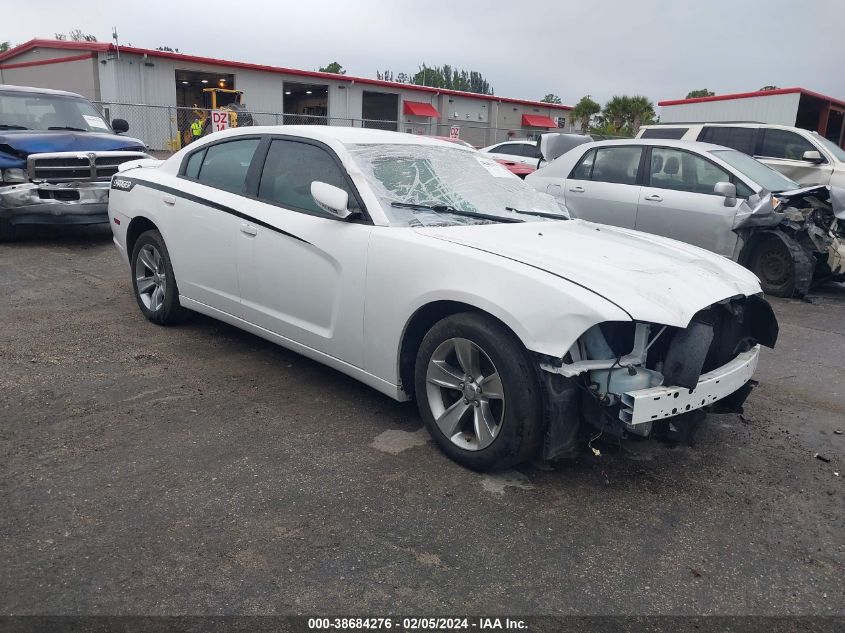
803,261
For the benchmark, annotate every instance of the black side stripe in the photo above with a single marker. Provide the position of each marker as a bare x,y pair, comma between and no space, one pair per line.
127,184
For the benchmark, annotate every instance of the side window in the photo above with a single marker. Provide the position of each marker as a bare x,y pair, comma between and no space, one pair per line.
225,164
665,132
742,139
584,169
192,168
290,169
617,165
682,171
784,144
512,149
530,150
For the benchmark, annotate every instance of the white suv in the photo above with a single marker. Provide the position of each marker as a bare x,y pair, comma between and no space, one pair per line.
804,156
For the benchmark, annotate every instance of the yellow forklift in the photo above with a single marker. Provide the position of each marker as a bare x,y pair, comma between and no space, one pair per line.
226,99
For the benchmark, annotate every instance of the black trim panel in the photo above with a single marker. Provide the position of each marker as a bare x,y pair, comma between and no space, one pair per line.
204,201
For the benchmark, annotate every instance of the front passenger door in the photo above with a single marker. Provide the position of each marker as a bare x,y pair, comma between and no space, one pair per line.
677,200
302,270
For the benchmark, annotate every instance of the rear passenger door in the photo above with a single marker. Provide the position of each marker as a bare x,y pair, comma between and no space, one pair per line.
202,222
677,200
604,186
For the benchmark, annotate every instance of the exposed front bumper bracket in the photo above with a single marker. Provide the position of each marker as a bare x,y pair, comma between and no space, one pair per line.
648,405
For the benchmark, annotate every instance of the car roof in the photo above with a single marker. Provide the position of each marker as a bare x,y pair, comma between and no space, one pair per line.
662,142
699,124
46,91
345,135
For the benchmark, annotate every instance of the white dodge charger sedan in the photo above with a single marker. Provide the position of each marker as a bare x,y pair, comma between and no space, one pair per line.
428,271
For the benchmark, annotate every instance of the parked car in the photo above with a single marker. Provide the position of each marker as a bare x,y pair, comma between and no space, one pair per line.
804,156
57,156
521,151
516,168
427,270
710,196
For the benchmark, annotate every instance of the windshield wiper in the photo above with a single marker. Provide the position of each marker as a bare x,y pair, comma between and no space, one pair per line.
5,126
66,127
444,208
539,214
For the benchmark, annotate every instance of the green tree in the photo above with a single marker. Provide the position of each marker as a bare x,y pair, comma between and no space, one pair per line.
76,35
451,78
334,67
551,98
769,88
166,49
704,92
615,113
623,115
640,112
584,111
4,46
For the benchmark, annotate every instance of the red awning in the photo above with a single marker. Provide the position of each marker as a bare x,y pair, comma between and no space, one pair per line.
417,108
536,120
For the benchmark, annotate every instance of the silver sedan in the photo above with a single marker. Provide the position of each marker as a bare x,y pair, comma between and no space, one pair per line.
707,195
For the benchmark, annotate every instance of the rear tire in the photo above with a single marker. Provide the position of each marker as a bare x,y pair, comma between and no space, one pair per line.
772,262
478,392
153,281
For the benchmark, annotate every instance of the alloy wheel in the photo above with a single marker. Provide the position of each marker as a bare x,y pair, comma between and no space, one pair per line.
150,278
465,394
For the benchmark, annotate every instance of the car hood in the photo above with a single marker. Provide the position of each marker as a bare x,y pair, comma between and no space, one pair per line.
651,278
25,142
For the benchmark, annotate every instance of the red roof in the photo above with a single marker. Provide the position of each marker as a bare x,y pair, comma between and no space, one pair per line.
537,120
748,95
102,47
417,108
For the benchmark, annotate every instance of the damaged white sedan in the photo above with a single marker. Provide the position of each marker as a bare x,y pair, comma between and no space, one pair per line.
428,271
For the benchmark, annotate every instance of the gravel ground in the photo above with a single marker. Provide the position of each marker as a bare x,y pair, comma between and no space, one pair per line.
198,469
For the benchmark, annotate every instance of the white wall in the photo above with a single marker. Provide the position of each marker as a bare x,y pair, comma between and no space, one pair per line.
780,109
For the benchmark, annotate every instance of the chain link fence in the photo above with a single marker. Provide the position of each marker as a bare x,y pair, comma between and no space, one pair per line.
166,129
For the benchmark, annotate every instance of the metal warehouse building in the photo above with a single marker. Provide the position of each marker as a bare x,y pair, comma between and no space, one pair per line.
157,91
784,106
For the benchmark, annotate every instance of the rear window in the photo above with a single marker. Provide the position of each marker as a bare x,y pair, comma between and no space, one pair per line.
676,133
742,139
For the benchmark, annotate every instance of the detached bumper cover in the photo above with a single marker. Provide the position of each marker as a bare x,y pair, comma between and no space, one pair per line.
62,203
648,405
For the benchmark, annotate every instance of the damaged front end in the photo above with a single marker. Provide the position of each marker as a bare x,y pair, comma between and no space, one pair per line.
634,378
794,239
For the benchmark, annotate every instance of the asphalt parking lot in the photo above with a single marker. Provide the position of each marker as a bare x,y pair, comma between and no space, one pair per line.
198,469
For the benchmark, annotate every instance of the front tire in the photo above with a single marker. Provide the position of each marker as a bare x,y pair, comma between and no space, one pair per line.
153,281
772,263
478,392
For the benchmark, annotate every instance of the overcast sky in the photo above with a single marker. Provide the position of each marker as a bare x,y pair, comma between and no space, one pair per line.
659,48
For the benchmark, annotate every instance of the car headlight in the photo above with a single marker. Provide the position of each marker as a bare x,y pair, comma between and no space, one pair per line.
13,175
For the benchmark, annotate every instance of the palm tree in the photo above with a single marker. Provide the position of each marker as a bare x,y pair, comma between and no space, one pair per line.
616,112
584,111
640,112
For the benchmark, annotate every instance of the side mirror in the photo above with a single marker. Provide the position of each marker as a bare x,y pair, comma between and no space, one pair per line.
120,125
331,199
812,156
728,190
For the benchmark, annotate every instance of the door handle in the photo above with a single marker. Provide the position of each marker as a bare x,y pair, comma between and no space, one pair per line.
248,229
169,199
654,198
577,189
